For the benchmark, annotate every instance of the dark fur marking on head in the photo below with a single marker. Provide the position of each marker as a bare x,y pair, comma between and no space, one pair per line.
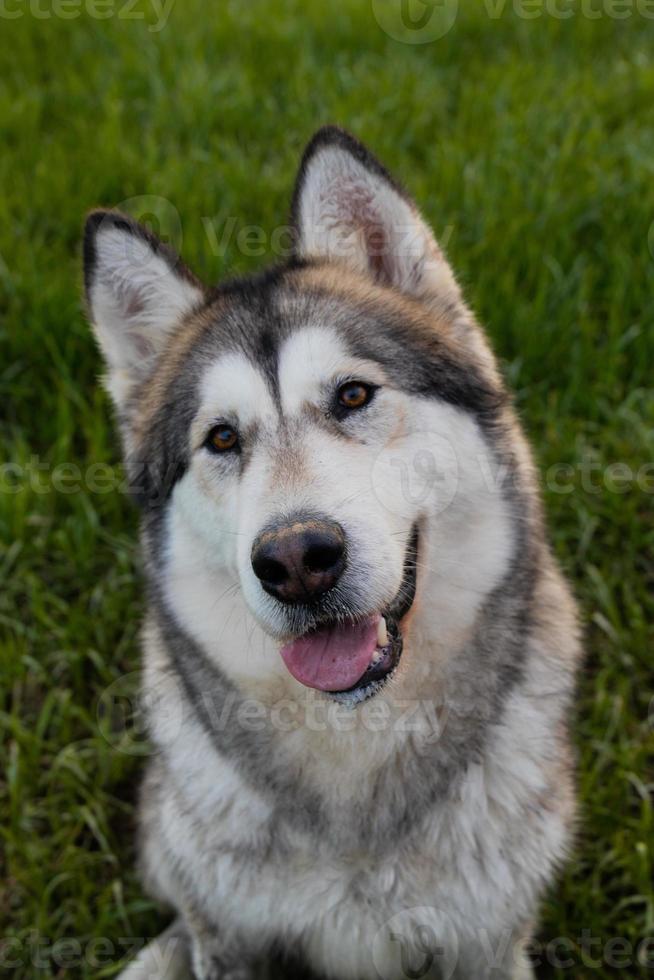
417,361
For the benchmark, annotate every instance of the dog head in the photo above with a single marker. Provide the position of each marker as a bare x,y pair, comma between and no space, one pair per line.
311,446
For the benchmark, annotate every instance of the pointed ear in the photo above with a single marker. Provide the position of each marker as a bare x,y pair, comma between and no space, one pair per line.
137,291
347,207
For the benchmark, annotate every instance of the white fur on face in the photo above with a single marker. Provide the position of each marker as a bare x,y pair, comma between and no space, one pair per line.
408,459
202,582
232,388
310,359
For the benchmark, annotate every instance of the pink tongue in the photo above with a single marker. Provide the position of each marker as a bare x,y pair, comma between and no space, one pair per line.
334,659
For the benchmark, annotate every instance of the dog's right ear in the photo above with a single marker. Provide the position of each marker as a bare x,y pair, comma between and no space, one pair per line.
347,207
137,292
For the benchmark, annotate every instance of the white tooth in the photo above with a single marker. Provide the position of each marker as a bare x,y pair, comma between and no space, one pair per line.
382,633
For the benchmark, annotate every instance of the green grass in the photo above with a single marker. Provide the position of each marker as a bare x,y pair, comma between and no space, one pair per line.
530,145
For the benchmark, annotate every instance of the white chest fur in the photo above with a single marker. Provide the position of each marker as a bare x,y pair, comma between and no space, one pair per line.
465,879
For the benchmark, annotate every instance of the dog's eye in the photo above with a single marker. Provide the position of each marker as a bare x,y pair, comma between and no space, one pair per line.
354,394
222,439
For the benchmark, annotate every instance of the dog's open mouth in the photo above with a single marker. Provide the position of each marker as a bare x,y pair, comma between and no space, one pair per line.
352,660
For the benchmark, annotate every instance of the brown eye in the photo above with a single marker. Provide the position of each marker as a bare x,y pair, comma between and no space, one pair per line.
354,394
222,439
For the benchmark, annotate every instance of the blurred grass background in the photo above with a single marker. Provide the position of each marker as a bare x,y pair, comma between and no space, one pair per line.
529,143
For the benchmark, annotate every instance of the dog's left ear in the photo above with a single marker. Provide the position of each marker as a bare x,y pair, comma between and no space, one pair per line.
347,207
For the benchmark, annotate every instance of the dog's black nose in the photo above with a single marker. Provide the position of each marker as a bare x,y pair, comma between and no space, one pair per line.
299,561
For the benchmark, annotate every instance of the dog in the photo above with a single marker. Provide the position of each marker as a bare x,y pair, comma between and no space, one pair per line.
359,652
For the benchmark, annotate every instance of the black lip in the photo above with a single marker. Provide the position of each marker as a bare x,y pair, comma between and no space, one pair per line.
378,674
407,591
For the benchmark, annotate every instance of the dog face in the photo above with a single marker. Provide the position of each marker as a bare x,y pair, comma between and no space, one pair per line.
312,447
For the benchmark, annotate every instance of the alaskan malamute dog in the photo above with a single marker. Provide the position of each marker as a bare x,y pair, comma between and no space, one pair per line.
359,651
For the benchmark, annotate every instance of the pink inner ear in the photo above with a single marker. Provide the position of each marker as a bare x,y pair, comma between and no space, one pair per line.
134,304
353,212
361,216
141,346
377,246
